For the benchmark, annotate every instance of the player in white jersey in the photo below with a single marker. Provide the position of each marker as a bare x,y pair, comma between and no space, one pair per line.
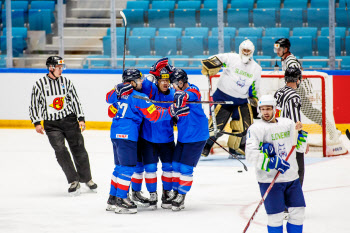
238,82
269,141
305,91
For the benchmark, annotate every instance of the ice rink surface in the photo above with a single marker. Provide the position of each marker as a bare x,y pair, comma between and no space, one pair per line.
34,196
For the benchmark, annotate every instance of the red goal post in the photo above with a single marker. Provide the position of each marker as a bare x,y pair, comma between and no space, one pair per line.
317,131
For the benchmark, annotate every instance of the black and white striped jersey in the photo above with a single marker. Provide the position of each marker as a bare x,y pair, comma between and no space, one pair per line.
288,103
54,100
290,61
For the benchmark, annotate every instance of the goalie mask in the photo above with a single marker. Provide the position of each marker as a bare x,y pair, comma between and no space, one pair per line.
246,50
293,75
267,100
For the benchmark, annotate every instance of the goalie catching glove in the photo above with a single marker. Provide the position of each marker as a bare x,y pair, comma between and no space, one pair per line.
211,66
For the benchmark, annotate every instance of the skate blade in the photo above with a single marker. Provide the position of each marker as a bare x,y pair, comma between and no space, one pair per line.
74,194
110,208
152,207
166,206
140,204
119,210
175,208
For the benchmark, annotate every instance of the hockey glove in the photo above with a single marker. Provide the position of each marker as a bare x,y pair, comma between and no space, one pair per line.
158,66
301,143
180,98
267,148
211,66
170,68
123,89
178,112
279,164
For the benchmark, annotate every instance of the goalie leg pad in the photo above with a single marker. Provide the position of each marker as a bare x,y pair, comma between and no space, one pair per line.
239,126
222,117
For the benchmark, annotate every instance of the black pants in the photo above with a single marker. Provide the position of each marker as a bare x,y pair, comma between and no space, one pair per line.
301,170
68,128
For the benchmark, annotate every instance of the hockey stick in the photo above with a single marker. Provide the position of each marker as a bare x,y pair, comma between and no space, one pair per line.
124,18
267,192
231,134
245,167
212,108
188,102
347,134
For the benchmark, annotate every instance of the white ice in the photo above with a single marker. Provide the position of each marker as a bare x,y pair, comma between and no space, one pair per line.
34,196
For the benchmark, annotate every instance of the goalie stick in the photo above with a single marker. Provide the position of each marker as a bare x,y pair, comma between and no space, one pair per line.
245,167
188,102
232,134
268,189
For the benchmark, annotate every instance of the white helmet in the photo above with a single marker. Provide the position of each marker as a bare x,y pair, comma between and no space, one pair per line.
267,100
247,44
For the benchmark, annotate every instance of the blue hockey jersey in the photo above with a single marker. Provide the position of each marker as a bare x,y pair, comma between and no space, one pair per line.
131,112
163,131
194,126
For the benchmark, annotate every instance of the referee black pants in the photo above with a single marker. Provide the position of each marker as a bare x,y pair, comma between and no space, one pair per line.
68,128
301,165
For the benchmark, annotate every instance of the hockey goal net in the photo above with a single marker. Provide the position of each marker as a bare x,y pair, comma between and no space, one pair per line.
317,108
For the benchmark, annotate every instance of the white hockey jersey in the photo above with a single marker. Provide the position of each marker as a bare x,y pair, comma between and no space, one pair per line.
281,135
237,77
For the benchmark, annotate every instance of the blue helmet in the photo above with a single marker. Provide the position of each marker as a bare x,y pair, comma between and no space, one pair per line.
178,75
131,75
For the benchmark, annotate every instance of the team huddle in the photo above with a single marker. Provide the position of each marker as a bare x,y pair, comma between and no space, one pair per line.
142,133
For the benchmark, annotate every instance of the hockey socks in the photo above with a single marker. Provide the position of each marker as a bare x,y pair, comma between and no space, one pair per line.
167,176
113,190
136,179
176,175
275,229
151,177
186,178
124,180
291,228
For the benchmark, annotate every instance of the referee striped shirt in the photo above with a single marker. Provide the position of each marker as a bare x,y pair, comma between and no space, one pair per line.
53,100
288,103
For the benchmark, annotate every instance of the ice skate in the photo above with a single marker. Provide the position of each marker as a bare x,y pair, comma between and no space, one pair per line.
167,198
206,150
125,206
139,199
111,203
74,189
239,156
179,202
92,186
153,200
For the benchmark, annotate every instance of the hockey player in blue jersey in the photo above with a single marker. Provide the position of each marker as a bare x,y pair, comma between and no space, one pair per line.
192,135
125,133
156,141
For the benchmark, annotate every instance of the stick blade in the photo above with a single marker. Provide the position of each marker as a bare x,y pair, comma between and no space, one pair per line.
124,18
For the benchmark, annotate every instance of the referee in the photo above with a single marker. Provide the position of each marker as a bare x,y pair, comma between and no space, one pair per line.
55,101
289,105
